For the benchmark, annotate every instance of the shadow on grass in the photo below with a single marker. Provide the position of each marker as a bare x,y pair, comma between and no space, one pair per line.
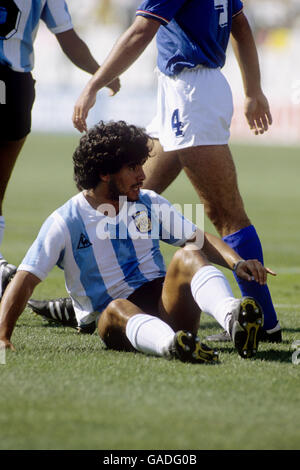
270,355
45,324
291,330
275,355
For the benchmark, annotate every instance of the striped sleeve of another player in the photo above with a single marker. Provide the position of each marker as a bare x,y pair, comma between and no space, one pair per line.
154,16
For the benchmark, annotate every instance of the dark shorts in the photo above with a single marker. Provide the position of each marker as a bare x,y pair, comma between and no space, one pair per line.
147,296
18,93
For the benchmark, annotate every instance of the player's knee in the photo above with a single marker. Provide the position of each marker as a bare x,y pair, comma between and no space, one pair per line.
188,261
114,310
111,326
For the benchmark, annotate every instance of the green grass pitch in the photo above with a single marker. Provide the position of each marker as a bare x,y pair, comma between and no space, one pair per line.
64,391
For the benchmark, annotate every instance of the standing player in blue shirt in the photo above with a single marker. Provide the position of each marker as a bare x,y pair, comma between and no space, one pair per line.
195,110
19,22
106,239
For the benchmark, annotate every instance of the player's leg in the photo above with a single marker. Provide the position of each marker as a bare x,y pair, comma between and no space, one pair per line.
9,151
126,326
194,118
192,286
212,171
15,124
161,169
123,326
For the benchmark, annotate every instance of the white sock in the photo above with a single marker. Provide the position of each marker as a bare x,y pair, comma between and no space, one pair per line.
2,227
149,335
213,294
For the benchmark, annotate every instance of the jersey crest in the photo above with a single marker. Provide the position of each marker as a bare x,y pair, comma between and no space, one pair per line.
142,222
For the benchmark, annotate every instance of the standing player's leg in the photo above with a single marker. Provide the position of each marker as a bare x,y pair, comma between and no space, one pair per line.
9,151
194,117
212,172
15,125
161,169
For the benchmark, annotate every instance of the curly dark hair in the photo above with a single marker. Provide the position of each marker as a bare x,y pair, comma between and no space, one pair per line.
105,149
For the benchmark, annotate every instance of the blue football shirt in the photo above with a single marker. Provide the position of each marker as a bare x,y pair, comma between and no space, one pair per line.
193,32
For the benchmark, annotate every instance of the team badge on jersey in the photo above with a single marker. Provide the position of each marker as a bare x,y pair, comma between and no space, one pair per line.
142,221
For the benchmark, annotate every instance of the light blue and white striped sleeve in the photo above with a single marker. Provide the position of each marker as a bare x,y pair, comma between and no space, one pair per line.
56,16
175,229
46,251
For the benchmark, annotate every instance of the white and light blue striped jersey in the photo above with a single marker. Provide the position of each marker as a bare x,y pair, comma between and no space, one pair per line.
19,22
105,257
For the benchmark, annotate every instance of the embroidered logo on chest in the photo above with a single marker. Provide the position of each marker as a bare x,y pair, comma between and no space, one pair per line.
142,221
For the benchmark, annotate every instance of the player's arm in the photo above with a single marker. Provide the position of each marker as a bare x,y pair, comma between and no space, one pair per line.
124,53
14,302
257,109
78,52
218,252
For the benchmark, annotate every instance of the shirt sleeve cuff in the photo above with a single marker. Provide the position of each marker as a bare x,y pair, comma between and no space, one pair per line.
153,16
30,269
61,28
188,234
237,13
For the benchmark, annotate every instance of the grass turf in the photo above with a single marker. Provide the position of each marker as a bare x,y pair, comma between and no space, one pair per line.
64,391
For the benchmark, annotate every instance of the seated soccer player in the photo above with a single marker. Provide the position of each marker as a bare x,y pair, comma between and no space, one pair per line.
106,238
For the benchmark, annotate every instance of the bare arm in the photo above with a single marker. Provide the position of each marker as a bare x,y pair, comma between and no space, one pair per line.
124,53
14,302
218,252
78,53
256,106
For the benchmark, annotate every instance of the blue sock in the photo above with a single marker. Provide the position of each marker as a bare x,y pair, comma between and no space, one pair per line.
247,244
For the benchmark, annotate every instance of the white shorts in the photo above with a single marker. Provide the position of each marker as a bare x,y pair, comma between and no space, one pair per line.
194,108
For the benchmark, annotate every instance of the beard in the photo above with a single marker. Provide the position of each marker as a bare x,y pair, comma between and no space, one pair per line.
115,191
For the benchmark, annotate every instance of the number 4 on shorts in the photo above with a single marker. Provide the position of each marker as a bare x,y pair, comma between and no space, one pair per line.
177,125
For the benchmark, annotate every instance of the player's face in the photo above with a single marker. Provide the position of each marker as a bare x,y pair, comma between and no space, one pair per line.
127,182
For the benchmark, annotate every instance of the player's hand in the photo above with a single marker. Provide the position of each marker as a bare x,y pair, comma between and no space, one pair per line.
6,344
253,270
114,87
258,113
85,102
